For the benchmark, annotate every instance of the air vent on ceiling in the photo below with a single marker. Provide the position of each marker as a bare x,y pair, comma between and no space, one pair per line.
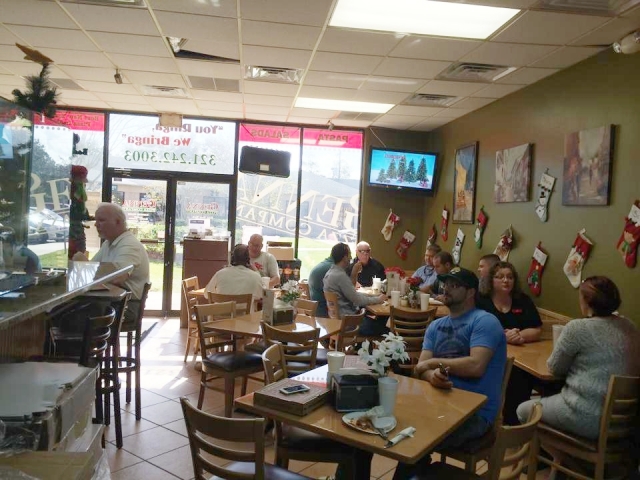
161,91
475,72
273,74
110,3
215,84
364,116
596,7
431,100
66,83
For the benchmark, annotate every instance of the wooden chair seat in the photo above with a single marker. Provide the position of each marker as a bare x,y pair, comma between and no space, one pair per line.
233,361
257,347
271,472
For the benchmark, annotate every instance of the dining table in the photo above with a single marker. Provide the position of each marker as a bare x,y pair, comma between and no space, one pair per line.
435,413
384,309
532,358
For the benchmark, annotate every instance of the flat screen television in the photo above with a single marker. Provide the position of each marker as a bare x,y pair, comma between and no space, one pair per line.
403,170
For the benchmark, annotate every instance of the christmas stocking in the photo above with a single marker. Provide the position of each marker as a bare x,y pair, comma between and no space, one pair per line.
534,278
545,187
458,247
577,256
505,245
481,223
444,224
405,242
628,243
390,224
433,236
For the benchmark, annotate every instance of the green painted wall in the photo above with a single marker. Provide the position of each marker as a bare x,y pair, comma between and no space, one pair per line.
599,91
376,203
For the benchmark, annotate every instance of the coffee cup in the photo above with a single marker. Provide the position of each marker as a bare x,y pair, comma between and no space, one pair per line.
265,282
395,298
424,301
335,361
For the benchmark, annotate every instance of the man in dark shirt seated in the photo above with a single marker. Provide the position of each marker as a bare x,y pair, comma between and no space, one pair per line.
316,286
365,267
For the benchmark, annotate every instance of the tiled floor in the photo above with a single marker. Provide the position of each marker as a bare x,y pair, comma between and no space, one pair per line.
157,446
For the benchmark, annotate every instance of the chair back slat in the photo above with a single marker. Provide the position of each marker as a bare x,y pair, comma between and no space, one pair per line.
307,307
189,301
411,326
620,412
95,340
349,331
221,431
332,304
299,348
304,287
243,301
207,314
275,366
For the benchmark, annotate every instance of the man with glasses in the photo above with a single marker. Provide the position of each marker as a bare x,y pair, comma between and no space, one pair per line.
262,262
365,267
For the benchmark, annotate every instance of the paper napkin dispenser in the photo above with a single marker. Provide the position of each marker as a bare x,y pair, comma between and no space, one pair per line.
354,392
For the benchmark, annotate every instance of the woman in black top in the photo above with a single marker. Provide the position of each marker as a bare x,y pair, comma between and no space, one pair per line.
515,310
518,315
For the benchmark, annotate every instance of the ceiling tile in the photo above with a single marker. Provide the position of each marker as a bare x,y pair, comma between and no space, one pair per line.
634,13
131,44
521,4
88,104
6,37
279,35
12,80
266,88
345,63
527,76
113,19
287,11
268,109
263,117
549,28
453,112
392,84
108,87
54,38
409,110
223,49
426,48
112,97
334,79
275,57
11,53
223,114
313,113
33,12
327,92
224,106
157,79
379,97
474,103
217,96
146,64
458,89
177,105
77,57
430,124
358,41
508,54
205,68
30,68
396,121
268,100
308,120
609,32
351,123
401,67
93,74
219,8
498,91
68,95
566,56
132,107
184,25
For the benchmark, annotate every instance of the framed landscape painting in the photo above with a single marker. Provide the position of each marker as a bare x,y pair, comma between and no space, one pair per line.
513,174
464,183
586,178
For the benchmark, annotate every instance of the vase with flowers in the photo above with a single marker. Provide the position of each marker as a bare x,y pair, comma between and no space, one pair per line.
414,292
381,359
290,292
394,275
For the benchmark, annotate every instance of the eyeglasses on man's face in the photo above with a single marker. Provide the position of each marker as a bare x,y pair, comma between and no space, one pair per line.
364,251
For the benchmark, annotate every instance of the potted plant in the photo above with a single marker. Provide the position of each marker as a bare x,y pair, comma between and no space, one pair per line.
290,292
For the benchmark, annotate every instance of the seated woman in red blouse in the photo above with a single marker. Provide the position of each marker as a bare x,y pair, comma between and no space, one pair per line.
520,319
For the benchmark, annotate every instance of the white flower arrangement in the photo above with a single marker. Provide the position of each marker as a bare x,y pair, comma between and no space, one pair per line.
391,349
290,291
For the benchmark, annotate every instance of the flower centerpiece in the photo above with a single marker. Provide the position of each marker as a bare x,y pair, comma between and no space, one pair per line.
394,275
386,352
290,292
414,288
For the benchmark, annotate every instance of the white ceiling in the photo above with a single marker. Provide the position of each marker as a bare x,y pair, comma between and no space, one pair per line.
88,42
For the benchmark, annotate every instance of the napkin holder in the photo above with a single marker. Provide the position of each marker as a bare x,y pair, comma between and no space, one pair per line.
276,312
354,392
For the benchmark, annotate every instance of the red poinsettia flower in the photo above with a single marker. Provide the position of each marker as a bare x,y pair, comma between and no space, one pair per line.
396,270
414,283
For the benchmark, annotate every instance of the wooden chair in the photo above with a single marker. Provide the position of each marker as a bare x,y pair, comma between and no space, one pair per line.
549,319
294,443
614,444
304,287
222,364
243,301
411,326
349,335
190,301
515,449
480,449
299,348
332,304
307,307
211,435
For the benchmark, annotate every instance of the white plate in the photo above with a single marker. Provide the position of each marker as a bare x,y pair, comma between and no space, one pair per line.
384,423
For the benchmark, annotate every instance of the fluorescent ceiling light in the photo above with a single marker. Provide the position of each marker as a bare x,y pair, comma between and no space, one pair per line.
343,105
423,17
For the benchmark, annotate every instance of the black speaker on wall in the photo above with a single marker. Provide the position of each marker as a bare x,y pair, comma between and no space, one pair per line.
262,161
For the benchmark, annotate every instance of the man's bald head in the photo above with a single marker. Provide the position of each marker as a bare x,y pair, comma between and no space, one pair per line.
363,252
255,245
111,221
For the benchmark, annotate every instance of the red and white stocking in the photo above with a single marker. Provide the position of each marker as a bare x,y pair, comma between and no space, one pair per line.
505,245
628,243
405,242
534,277
577,256
481,224
389,225
433,236
444,224
457,247
545,187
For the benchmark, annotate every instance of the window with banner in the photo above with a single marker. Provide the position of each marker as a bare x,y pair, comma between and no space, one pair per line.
138,142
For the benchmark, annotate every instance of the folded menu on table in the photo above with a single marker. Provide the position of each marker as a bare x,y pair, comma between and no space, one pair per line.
297,403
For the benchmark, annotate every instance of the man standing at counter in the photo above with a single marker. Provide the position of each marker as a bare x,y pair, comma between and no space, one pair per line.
121,248
264,263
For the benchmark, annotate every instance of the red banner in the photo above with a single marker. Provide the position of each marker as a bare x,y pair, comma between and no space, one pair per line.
74,120
312,136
